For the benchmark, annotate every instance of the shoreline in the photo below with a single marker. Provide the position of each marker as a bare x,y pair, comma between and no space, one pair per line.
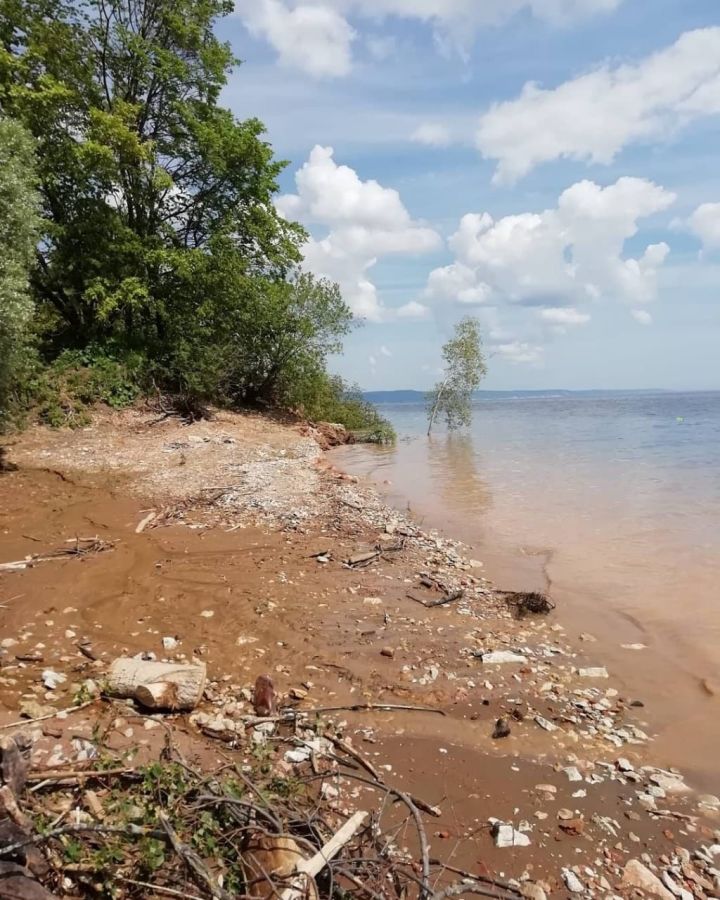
570,728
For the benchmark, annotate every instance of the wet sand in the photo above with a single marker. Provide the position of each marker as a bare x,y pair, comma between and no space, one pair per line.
344,636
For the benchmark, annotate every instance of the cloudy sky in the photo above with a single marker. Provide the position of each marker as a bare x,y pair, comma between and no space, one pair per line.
551,166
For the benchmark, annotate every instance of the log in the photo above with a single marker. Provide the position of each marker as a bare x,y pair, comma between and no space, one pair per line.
158,685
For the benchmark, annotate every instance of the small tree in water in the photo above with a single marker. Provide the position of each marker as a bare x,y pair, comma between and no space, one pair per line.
464,368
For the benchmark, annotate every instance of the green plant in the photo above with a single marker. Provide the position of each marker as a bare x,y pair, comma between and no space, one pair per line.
464,368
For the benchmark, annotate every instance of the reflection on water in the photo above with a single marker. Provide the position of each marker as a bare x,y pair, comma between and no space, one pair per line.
621,495
454,466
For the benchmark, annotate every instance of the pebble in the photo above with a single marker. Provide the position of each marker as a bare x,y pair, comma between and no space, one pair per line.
507,836
496,657
572,882
573,773
207,613
169,643
639,876
52,679
388,651
545,723
593,672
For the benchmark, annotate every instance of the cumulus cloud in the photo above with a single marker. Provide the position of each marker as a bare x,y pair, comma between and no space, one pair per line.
592,117
519,352
316,36
413,310
560,315
363,220
705,224
562,257
432,134
642,316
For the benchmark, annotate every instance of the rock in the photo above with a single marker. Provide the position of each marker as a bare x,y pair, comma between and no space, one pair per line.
573,773
546,788
708,801
507,836
675,888
533,891
624,765
572,882
671,784
639,876
52,679
169,643
574,826
207,613
546,724
497,657
388,651
31,709
502,729
593,672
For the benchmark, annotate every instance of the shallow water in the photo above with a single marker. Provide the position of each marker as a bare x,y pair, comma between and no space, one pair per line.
612,501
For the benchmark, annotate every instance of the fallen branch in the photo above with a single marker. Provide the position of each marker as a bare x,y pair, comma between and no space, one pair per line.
353,754
365,707
90,545
313,866
53,715
157,888
192,860
143,523
361,559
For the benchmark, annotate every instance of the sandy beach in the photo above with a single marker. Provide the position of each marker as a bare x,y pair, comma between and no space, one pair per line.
259,556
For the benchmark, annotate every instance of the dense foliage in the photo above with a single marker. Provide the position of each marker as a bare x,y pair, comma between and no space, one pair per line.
19,230
464,368
162,263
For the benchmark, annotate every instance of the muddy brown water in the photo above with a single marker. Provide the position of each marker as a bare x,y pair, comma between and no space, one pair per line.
613,559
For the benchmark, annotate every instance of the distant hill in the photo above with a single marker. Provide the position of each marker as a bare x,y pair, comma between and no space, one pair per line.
419,396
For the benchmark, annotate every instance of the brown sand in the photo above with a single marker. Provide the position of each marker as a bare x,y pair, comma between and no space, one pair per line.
243,504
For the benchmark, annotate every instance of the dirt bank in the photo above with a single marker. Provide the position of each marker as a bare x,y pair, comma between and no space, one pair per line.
243,561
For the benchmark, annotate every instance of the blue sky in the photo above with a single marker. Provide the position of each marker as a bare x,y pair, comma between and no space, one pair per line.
551,166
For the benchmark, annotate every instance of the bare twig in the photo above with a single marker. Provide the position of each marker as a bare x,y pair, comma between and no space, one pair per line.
192,860
54,715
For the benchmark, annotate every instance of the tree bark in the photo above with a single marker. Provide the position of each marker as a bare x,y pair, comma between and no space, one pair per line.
158,685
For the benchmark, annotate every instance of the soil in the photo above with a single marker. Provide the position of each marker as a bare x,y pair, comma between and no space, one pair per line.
243,559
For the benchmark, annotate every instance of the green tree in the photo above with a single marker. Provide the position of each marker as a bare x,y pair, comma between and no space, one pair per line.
464,369
19,228
138,163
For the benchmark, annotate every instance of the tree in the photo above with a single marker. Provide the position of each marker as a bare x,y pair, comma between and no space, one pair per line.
138,163
19,226
464,368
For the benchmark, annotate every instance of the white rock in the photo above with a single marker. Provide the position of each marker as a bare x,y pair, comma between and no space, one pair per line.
545,723
52,679
6,643
207,613
593,672
675,888
507,836
533,891
708,801
572,882
169,643
637,875
624,765
503,656
573,773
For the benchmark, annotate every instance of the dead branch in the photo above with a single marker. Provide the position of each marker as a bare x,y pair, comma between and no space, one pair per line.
192,860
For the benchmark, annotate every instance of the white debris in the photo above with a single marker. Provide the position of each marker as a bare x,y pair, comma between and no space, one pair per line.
52,679
507,836
545,723
593,672
503,656
572,882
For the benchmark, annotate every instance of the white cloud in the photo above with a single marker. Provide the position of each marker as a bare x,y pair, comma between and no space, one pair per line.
385,352
592,117
562,257
705,224
316,36
642,316
519,352
563,315
364,221
413,310
432,134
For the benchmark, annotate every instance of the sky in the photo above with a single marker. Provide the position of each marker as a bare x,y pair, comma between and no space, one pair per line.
549,166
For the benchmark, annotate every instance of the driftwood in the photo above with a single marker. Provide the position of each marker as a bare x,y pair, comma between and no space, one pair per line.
525,602
83,547
449,597
158,685
362,559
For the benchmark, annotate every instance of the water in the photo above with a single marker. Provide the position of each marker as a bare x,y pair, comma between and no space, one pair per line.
612,501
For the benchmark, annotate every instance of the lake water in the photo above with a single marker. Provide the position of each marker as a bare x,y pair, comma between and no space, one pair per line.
609,501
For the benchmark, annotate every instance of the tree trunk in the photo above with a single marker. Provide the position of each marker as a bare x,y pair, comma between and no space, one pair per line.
158,685
436,404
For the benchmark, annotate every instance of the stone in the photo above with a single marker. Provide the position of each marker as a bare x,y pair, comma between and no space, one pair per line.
624,765
593,672
507,836
31,709
639,876
52,679
572,882
169,643
533,891
545,724
708,801
388,651
502,729
498,657
573,773
207,613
